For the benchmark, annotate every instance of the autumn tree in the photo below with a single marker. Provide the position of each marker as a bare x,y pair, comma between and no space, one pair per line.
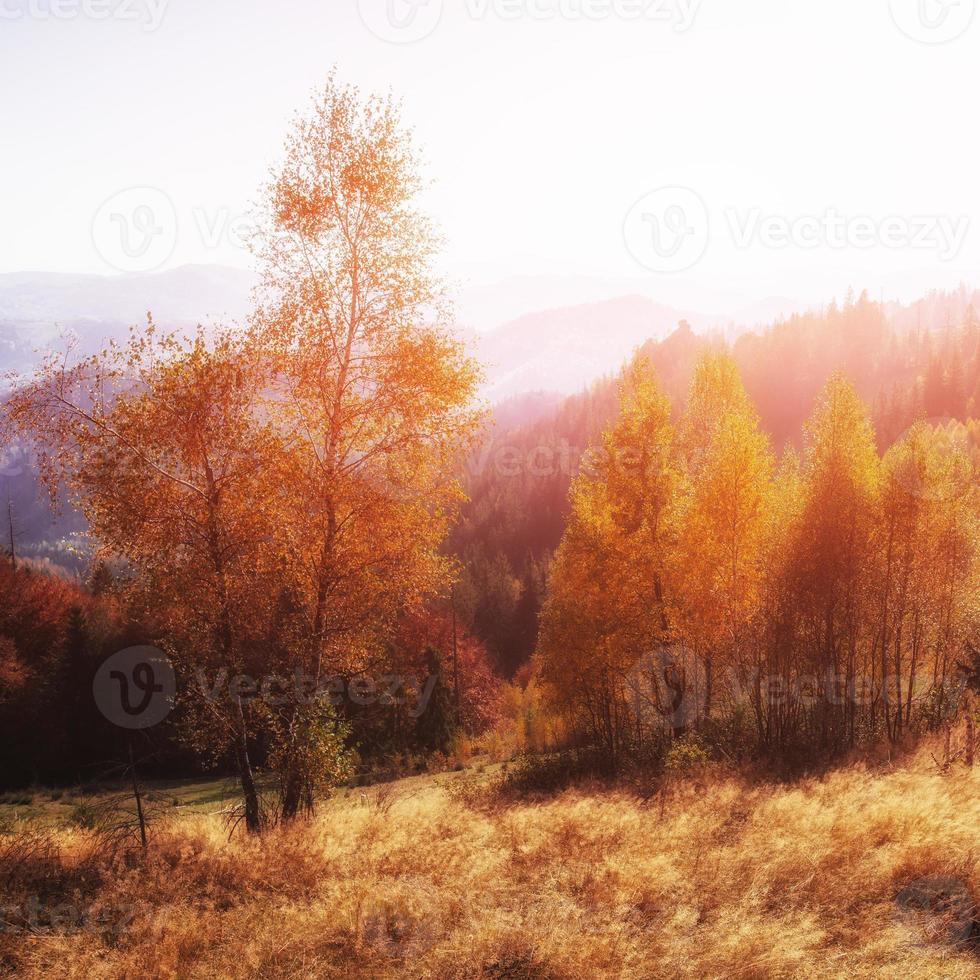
372,393
825,597
828,598
926,570
465,662
608,600
721,559
161,447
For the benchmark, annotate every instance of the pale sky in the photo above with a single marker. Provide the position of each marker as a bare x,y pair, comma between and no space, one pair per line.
809,146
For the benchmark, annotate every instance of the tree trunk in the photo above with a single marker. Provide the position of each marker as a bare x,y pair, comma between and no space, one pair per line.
253,815
141,817
292,795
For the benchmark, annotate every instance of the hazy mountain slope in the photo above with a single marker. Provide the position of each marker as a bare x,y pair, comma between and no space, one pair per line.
564,350
37,308
560,348
184,295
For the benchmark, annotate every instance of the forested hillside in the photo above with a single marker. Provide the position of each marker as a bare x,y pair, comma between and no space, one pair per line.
489,490
907,363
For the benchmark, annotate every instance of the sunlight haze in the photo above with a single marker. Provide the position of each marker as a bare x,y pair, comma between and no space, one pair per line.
541,124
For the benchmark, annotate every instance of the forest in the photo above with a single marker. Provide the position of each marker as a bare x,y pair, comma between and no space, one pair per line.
791,514
706,596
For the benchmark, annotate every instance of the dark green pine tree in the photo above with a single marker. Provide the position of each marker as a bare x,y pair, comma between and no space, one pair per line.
526,617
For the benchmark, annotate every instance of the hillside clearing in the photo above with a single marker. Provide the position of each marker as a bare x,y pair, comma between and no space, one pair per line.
859,873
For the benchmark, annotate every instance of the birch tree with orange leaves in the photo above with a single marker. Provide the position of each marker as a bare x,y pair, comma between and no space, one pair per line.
828,599
374,396
283,494
159,444
925,573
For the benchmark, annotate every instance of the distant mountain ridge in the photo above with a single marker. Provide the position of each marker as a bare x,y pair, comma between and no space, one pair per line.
36,308
559,350
564,350
531,363
180,296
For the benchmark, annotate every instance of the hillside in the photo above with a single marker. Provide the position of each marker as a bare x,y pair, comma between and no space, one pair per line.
458,522
920,362
868,871
565,350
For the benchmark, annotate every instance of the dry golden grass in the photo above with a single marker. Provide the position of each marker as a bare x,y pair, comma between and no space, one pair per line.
727,880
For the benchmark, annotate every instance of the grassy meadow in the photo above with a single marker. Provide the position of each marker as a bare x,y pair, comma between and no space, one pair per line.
863,871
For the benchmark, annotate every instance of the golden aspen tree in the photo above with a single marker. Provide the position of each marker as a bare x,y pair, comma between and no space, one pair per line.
927,570
721,558
771,660
608,600
374,393
716,390
832,552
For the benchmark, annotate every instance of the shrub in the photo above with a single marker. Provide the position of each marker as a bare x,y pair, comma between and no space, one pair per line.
687,754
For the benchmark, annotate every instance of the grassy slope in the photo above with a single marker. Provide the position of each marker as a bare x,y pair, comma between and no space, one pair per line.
59,809
22,810
727,880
